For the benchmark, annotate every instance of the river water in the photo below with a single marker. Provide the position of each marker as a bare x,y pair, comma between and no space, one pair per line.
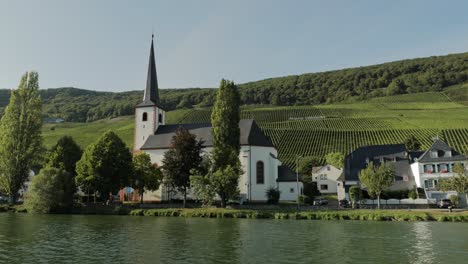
28,238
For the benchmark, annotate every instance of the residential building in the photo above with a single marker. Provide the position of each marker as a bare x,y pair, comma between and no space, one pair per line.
326,178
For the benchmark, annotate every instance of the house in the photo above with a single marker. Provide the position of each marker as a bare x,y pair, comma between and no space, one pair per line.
412,169
434,164
394,155
326,178
258,156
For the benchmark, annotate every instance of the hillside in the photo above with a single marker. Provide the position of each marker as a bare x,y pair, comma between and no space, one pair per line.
431,74
318,130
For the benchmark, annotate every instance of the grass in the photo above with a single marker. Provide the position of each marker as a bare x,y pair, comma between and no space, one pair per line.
318,130
364,215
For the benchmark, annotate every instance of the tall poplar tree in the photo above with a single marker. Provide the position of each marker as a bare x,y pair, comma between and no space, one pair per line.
226,146
20,135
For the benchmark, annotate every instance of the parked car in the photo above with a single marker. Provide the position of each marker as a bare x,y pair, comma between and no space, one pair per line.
3,199
320,201
444,203
344,203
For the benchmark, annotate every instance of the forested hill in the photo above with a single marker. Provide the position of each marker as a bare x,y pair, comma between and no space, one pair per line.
399,77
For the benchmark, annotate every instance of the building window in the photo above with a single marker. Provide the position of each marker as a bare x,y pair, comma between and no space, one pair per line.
160,118
328,168
145,116
323,177
291,190
260,172
323,186
428,184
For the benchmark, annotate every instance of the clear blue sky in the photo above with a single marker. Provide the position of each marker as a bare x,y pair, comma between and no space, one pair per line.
104,45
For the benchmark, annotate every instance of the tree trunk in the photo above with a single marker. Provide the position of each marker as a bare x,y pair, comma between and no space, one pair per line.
141,195
94,197
466,199
378,201
185,197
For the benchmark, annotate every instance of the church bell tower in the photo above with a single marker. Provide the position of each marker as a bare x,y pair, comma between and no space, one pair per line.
149,115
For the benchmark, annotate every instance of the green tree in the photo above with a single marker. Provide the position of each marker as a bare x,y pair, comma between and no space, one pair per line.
376,179
355,195
20,135
226,146
146,175
458,183
51,190
336,159
200,183
183,156
412,143
105,167
225,121
305,167
65,154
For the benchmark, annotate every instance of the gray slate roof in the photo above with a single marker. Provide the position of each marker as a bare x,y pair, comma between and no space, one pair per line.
151,95
250,134
395,155
441,147
285,174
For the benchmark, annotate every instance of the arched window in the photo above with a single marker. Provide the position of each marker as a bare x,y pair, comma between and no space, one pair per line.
260,172
145,116
160,118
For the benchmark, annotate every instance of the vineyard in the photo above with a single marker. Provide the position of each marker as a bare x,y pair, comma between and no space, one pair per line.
318,130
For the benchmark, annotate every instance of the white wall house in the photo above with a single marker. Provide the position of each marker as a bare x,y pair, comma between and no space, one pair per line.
434,164
258,156
326,178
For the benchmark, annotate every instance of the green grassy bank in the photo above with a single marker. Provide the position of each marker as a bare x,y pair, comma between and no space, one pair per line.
365,215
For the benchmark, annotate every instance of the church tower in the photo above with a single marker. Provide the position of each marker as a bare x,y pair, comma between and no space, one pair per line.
149,115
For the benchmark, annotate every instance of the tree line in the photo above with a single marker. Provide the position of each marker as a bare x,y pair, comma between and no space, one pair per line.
400,77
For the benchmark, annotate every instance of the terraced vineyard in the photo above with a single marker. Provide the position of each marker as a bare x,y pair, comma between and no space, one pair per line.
318,130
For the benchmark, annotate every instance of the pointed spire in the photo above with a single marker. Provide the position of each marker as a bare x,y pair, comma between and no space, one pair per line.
151,96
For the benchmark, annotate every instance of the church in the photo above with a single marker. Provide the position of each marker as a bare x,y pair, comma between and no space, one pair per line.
258,156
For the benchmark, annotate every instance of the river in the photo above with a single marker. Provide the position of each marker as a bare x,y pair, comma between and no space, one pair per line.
26,238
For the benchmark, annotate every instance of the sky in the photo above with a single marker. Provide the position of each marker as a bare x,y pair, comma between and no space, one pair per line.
104,45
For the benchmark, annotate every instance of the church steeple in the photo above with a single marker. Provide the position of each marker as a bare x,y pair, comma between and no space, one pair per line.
151,95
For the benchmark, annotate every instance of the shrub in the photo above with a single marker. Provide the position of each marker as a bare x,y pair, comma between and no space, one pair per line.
413,194
355,194
454,199
50,191
273,195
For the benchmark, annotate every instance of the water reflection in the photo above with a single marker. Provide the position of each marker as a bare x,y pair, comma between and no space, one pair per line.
122,239
422,247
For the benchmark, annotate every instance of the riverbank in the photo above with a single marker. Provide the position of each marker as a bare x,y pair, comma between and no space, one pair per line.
363,215
343,214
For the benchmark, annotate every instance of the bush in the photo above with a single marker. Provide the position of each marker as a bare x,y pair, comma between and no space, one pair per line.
50,191
273,195
454,199
304,199
355,194
413,194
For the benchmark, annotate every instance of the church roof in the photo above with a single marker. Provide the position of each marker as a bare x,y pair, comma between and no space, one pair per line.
285,174
444,153
151,95
250,135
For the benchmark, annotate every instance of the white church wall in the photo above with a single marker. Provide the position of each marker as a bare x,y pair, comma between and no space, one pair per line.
289,190
249,156
144,128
